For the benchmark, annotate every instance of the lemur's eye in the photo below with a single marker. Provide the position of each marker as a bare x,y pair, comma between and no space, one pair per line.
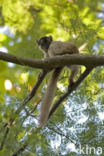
41,42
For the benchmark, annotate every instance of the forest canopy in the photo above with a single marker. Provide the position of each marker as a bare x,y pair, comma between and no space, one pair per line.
77,116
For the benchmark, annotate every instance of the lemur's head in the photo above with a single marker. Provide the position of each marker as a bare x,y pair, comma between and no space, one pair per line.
44,42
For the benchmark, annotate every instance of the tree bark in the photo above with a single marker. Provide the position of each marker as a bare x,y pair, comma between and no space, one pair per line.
54,62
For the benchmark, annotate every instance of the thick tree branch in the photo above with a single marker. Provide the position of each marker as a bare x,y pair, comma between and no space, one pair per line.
54,62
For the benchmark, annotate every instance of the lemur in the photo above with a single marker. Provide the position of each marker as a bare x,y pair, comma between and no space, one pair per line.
52,48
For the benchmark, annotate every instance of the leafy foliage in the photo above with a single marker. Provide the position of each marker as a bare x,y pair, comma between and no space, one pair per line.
79,120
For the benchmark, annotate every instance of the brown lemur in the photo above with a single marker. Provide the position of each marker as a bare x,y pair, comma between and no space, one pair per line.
52,48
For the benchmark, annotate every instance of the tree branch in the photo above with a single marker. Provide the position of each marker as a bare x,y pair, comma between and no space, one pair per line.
58,131
33,91
8,125
20,150
27,142
54,62
70,90
4,138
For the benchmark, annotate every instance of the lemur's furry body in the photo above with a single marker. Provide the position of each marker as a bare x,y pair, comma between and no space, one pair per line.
52,48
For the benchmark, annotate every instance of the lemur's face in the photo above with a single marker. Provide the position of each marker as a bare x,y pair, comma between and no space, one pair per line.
44,43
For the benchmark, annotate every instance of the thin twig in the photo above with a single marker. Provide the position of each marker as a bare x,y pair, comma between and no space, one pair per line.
26,142
60,133
20,150
4,138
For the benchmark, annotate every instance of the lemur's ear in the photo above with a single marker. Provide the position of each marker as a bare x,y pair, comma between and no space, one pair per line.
37,41
50,38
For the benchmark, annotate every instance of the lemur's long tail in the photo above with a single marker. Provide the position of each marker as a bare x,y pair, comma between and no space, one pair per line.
48,97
